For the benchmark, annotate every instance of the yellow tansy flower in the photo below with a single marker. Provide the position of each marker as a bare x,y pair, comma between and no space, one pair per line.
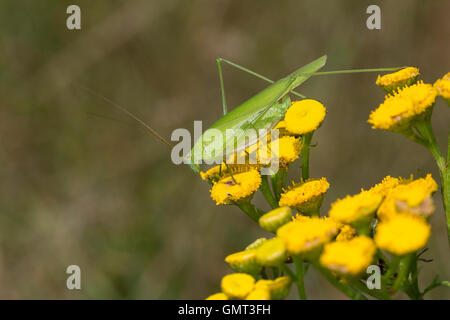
355,209
302,236
307,196
289,149
442,87
398,110
401,78
225,170
218,296
385,186
299,217
244,185
350,257
278,288
214,173
280,125
346,232
271,253
402,234
259,294
412,196
421,94
244,261
393,114
237,285
304,116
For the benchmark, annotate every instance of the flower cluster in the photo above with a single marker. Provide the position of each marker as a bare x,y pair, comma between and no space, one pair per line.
403,107
385,225
233,183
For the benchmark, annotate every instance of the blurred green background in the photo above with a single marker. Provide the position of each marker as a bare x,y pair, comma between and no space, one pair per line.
80,189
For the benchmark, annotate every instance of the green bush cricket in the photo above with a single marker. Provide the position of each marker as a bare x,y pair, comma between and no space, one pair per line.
239,128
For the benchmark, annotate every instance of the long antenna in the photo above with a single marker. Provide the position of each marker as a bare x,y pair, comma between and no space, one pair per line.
142,123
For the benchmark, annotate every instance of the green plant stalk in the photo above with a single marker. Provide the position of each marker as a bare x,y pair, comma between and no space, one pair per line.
253,212
413,287
393,265
300,277
425,129
405,266
348,291
278,182
305,154
378,294
267,193
294,278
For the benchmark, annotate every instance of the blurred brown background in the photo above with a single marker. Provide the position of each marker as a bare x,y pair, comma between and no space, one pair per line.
80,189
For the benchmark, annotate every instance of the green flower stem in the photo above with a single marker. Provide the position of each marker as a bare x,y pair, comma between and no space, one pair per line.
378,294
385,280
425,129
448,151
278,182
305,155
253,212
446,196
350,292
300,277
267,193
405,265
298,282
412,287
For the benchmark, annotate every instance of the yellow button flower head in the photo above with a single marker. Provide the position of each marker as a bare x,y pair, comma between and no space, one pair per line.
244,185
398,110
271,253
300,217
278,288
237,285
412,196
385,186
225,170
274,219
259,294
346,232
214,173
244,261
442,87
394,114
355,209
280,125
304,116
302,236
217,296
421,94
402,234
404,77
307,196
289,149
350,257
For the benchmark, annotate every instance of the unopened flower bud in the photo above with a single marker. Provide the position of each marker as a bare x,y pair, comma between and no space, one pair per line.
274,219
